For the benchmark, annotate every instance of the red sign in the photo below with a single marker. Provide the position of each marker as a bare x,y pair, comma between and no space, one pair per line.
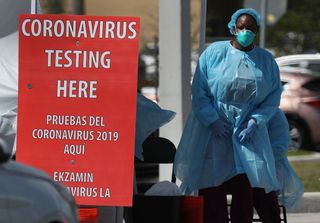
77,103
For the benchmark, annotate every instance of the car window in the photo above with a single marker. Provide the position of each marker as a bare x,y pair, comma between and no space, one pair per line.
303,66
313,85
314,67
294,67
300,64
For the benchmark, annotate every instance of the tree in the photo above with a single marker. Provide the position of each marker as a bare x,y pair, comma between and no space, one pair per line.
298,30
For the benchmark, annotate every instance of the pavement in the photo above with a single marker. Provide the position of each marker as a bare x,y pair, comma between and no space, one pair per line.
307,209
309,203
303,217
312,157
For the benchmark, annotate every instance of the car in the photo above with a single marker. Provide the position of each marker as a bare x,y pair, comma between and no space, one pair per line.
29,195
300,100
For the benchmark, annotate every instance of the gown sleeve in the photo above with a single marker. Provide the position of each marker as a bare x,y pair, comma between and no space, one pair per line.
202,99
266,109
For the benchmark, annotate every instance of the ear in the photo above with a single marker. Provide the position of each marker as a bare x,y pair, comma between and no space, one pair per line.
235,30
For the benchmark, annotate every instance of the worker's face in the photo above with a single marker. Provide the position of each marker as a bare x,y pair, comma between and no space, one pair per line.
246,22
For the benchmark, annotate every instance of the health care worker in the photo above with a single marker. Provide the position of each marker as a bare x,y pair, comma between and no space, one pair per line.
235,91
291,187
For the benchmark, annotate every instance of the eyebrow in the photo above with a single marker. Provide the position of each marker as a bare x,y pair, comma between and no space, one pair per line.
252,25
247,26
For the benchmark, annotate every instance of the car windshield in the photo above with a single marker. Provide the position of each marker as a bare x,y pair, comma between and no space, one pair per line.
302,66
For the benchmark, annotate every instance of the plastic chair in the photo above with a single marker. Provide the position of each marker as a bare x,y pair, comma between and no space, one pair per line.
165,209
156,150
283,216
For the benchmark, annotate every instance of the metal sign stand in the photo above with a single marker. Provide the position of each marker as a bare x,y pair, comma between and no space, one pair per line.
34,6
203,15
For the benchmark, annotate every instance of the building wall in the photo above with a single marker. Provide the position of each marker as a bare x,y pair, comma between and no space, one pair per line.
145,9
148,10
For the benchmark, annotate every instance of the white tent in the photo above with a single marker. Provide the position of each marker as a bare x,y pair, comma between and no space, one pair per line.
8,73
9,16
9,11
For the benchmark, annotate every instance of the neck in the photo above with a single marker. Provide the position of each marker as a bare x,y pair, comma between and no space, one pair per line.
236,45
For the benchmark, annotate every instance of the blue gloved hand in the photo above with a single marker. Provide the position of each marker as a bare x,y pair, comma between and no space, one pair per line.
221,128
246,134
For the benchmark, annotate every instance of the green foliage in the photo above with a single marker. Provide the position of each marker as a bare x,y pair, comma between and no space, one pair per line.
298,30
299,152
309,173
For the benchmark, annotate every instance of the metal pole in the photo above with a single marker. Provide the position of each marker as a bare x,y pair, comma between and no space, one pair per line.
185,38
203,15
34,6
264,9
78,7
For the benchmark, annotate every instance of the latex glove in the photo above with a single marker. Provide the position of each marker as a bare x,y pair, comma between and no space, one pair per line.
246,134
221,128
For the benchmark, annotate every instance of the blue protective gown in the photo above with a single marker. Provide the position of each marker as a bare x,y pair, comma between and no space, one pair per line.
291,187
234,86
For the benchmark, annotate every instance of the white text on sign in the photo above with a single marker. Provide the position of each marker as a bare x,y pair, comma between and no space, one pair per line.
76,89
78,59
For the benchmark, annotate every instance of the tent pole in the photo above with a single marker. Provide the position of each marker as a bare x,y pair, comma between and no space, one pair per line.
34,6
203,15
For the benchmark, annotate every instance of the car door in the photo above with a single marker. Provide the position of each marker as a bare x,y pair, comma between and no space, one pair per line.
4,213
19,197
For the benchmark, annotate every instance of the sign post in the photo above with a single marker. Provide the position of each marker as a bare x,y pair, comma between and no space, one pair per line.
77,103
34,6
203,17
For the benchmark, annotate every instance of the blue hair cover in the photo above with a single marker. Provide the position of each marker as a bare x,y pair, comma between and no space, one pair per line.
235,16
